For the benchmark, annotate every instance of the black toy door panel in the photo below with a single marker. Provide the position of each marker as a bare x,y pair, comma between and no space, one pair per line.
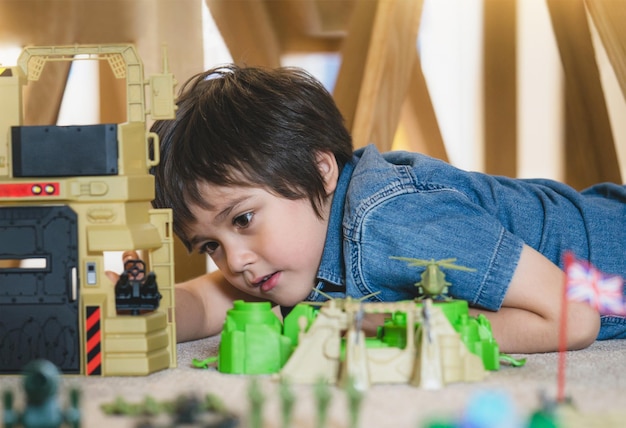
39,285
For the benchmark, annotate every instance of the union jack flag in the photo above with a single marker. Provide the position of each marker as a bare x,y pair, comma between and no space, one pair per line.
585,283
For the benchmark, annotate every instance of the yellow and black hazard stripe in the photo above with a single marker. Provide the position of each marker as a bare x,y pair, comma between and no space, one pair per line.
93,337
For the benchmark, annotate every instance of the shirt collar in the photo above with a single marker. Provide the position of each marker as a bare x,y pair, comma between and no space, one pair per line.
332,269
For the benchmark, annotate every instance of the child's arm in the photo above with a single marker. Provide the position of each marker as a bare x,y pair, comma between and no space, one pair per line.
530,317
201,305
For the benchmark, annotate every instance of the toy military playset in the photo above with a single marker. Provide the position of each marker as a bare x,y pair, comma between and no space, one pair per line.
424,343
69,194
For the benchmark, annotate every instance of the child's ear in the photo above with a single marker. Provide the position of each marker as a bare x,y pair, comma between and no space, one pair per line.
329,170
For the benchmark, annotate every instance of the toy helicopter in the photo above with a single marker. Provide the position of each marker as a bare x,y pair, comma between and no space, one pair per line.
432,281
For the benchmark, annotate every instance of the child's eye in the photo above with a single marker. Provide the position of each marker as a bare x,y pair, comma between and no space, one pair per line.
209,248
243,220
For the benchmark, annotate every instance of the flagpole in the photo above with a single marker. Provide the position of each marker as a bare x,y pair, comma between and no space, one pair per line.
560,397
584,283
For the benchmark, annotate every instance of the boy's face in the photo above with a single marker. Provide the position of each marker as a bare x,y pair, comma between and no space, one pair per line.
265,245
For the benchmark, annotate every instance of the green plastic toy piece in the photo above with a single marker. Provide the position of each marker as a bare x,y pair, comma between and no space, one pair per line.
256,400
323,395
40,381
292,321
252,340
287,401
477,335
204,364
515,362
184,410
474,331
354,397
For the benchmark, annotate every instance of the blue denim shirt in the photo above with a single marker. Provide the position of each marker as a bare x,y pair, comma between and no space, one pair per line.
410,205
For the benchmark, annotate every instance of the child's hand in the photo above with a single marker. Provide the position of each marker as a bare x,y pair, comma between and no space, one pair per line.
127,255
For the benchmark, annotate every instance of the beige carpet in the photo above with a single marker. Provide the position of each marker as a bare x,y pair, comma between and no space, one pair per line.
596,382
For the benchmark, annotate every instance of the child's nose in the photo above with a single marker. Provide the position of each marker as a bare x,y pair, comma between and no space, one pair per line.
239,257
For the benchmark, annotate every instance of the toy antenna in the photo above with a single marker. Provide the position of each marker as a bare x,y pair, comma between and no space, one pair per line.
165,60
329,297
367,296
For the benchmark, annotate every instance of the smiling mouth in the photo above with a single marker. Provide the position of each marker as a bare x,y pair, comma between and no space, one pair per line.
267,282
262,280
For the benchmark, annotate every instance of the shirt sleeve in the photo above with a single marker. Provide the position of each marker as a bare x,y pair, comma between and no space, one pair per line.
432,225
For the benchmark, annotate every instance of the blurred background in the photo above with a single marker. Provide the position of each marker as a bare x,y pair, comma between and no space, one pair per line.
524,88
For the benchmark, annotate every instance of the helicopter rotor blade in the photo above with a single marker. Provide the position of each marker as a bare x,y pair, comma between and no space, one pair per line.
457,267
413,262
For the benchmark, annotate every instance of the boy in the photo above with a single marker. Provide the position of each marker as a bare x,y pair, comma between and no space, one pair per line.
259,170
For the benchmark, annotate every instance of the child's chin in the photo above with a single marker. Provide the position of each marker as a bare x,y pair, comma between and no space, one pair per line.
289,301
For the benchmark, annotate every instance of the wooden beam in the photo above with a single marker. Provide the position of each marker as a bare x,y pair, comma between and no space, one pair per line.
590,155
188,265
500,86
609,18
311,18
354,56
418,118
306,44
378,57
33,23
291,17
335,15
112,95
248,31
42,98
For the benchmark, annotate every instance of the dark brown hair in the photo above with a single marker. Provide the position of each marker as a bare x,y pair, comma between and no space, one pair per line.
247,126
